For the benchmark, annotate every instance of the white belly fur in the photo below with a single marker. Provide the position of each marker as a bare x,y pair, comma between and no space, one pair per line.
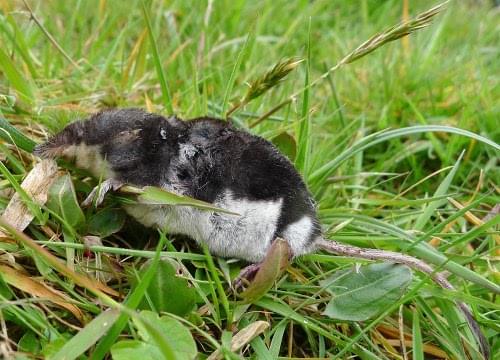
247,236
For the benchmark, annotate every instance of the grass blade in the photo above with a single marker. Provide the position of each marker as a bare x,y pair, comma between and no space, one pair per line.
230,83
440,191
17,37
418,345
321,174
23,86
49,36
304,130
13,136
88,336
376,41
131,302
419,249
167,99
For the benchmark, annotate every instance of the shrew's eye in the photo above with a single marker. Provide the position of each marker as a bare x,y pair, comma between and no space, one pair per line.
183,174
163,134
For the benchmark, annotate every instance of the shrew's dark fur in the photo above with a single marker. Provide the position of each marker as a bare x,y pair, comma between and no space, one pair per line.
143,149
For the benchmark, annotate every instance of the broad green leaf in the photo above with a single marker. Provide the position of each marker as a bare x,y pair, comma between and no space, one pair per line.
88,336
286,144
62,200
29,343
276,260
157,196
168,292
179,337
53,347
360,295
135,349
106,222
421,250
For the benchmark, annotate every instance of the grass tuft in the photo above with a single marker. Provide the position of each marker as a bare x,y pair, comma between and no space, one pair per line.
380,144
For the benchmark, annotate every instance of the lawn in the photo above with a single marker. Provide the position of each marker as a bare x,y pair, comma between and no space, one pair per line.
399,148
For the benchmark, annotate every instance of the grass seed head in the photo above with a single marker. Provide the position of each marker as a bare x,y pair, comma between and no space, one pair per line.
271,78
394,33
267,81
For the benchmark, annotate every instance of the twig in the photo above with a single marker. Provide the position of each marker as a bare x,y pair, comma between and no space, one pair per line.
402,333
49,36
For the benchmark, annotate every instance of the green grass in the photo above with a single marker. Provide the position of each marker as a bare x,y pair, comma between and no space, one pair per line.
386,190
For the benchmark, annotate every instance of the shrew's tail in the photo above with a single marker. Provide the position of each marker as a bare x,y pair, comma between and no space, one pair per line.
414,263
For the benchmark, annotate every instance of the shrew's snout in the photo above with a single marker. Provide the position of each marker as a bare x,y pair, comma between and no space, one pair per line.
57,144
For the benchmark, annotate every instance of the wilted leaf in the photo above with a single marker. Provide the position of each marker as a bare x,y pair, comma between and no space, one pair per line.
157,196
169,292
106,222
243,337
179,338
286,144
360,295
29,285
276,260
62,200
91,284
36,184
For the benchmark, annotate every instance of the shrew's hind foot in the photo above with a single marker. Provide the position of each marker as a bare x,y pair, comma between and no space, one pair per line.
247,274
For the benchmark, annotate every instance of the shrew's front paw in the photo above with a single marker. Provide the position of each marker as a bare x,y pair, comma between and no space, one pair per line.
98,193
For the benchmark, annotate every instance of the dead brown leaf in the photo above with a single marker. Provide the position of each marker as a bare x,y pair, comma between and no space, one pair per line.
243,337
29,285
276,260
36,184
91,284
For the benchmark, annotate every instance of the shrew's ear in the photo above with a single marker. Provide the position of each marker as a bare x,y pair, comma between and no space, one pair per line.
177,123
